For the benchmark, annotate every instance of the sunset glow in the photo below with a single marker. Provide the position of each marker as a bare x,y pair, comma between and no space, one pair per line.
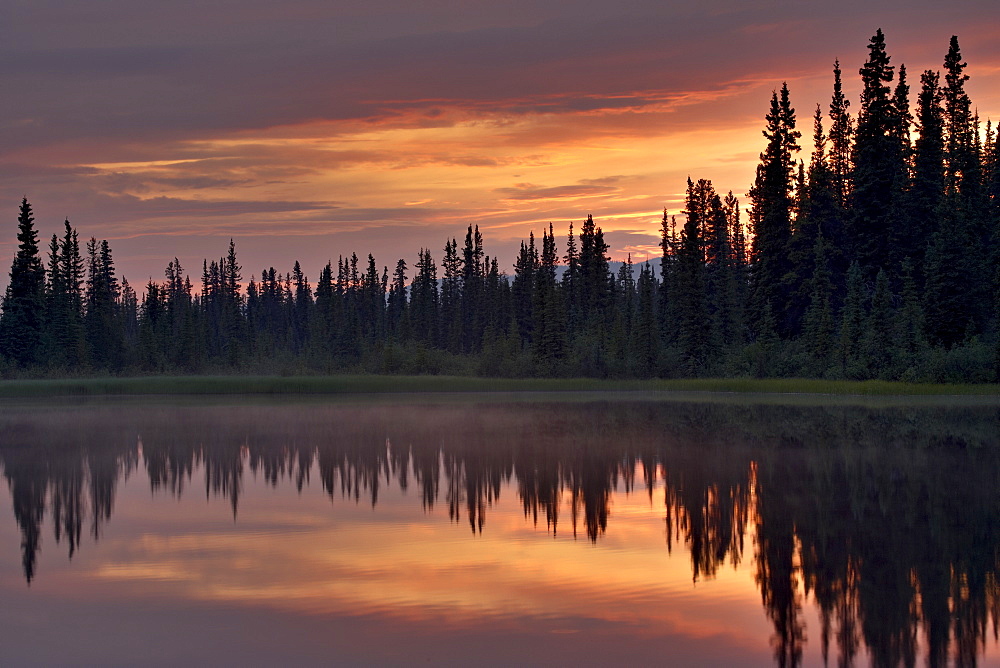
311,131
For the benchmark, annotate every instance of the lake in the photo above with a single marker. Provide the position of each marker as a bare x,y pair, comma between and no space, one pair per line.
501,529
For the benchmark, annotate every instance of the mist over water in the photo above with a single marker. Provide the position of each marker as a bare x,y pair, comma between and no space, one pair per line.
593,530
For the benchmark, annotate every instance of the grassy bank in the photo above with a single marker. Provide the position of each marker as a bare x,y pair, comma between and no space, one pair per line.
373,384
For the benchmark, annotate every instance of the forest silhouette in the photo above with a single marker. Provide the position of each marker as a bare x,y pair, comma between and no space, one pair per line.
886,515
875,258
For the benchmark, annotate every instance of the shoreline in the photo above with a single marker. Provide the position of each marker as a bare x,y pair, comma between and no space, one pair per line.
341,385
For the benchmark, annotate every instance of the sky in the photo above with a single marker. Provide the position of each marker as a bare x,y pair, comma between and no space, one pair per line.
310,129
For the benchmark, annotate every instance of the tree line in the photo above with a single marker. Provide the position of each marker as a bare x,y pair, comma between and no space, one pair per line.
877,259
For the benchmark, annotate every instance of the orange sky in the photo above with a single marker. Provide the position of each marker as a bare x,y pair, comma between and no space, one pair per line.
309,130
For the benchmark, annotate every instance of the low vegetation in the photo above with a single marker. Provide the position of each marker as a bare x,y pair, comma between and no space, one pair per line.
374,384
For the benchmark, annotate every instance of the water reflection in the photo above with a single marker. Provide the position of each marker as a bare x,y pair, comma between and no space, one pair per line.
886,518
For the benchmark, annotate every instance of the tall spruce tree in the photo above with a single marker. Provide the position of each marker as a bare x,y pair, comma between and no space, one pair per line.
841,135
571,282
23,303
595,277
900,235
771,211
879,166
302,309
424,299
523,289
960,137
396,302
819,215
451,297
473,286
64,301
955,298
549,342
736,285
105,340
692,316
669,244
927,189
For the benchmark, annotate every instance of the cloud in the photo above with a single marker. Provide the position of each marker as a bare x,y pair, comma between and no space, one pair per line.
272,69
528,191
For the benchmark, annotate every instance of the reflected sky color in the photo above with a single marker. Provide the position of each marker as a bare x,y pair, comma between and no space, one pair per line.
686,532
402,569
307,130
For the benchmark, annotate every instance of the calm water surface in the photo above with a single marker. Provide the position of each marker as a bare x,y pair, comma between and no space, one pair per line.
420,530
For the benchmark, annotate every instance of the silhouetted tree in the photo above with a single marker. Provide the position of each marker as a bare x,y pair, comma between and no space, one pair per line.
23,302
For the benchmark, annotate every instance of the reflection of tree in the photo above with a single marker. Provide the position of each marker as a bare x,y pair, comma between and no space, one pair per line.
27,479
708,504
427,472
68,464
170,462
68,507
474,483
538,482
886,518
777,553
105,467
590,487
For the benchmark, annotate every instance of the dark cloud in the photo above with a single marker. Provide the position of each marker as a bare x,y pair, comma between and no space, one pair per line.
145,182
528,191
264,64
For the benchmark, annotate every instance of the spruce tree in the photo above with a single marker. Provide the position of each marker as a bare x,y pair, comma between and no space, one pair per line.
396,302
737,287
523,289
771,213
473,285
841,134
595,277
102,323
424,299
965,198
669,244
64,301
451,297
232,325
549,340
645,337
900,235
959,136
23,303
571,282
924,197
302,312
820,216
52,326
693,324
879,166
623,317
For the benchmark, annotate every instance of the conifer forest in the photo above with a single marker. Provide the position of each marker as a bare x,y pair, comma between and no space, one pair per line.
871,250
